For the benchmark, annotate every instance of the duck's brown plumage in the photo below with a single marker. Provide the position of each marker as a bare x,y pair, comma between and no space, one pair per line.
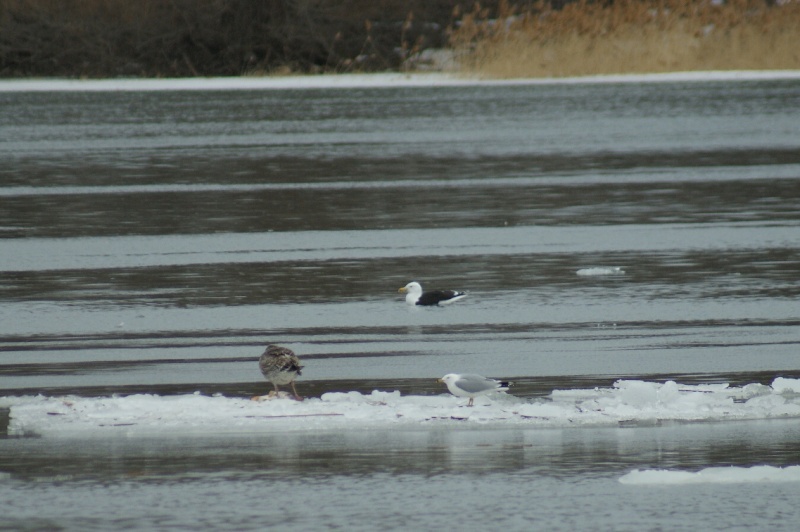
280,366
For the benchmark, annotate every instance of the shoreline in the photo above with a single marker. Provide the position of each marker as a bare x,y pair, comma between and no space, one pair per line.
367,81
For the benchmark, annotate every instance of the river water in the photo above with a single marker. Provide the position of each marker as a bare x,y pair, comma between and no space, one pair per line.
155,241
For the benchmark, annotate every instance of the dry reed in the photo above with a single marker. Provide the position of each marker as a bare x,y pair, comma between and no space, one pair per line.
629,36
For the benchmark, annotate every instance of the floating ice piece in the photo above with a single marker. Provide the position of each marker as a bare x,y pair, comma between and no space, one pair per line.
713,475
600,271
782,385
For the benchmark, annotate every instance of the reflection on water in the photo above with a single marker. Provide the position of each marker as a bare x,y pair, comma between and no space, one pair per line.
396,478
673,193
560,453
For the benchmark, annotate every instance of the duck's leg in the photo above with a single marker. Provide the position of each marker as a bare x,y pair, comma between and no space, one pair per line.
296,395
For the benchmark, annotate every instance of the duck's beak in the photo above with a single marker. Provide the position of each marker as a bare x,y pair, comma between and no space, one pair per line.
403,290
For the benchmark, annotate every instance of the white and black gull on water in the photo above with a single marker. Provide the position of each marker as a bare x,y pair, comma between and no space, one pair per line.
415,295
280,366
472,385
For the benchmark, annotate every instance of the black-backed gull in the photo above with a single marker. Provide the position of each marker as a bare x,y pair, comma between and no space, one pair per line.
415,295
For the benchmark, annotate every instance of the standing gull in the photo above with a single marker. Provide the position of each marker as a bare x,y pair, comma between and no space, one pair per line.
471,385
280,366
415,295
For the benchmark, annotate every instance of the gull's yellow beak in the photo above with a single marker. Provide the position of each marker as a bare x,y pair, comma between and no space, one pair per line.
439,380
402,290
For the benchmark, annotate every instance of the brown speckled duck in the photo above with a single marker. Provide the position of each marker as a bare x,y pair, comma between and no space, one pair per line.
280,366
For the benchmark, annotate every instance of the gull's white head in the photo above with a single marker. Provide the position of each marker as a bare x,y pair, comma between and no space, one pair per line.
449,378
411,288
412,291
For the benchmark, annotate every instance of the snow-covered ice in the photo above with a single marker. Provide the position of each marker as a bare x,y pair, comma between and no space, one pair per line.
627,402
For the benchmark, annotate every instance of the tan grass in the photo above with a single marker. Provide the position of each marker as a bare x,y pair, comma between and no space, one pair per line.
629,36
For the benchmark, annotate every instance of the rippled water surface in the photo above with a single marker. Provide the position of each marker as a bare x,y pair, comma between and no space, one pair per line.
156,241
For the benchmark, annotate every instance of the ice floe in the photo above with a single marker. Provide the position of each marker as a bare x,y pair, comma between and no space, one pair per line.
601,270
713,475
627,402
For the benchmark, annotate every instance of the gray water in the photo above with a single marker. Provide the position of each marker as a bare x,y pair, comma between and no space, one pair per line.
156,241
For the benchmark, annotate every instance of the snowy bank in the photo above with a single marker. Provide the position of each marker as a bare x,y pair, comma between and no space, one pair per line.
351,81
628,402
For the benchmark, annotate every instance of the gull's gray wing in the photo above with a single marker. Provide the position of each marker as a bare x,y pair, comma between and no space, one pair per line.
476,383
